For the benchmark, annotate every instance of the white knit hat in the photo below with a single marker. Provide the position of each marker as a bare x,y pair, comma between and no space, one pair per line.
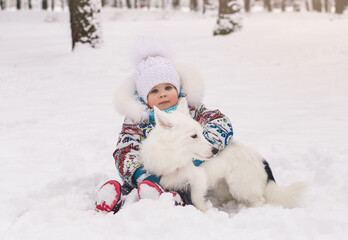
153,66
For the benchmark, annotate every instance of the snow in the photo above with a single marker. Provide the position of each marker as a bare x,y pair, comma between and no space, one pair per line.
106,194
148,192
282,81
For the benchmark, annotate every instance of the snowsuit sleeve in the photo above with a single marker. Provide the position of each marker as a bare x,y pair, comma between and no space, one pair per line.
126,155
217,127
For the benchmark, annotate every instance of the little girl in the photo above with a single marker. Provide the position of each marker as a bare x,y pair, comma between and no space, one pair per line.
156,82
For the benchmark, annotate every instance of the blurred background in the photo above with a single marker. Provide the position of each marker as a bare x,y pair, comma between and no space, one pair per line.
186,5
85,14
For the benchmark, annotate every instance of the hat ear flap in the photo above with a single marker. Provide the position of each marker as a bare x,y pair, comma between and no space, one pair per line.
162,118
183,106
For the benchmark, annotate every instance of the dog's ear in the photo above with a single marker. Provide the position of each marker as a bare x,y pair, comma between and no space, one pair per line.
162,118
183,106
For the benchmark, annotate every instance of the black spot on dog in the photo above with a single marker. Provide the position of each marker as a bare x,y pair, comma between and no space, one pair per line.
268,171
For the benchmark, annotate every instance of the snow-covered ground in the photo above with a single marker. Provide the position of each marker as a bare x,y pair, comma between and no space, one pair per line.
282,80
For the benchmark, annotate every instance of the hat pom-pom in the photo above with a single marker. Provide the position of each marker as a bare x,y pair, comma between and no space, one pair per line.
145,47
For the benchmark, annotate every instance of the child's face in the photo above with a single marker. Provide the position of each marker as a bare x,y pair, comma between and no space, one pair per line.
163,96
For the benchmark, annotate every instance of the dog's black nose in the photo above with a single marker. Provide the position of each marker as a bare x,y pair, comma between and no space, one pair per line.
215,151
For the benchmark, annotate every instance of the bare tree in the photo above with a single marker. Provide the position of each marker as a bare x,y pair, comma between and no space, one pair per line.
18,4
283,5
44,4
317,5
85,22
326,5
247,5
52,4
268,5
205,6
2,4
229,19
129,4
340,6
194,5
176,4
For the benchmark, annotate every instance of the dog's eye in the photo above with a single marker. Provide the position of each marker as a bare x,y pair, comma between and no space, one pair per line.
194,136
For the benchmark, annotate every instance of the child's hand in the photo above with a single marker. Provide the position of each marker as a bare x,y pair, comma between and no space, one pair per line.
212,137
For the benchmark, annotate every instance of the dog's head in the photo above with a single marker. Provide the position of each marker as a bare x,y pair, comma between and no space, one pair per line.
178,138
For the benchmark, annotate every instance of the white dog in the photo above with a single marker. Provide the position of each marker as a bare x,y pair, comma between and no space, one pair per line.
237,170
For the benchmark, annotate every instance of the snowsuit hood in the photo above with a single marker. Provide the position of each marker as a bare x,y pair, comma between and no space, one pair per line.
127,103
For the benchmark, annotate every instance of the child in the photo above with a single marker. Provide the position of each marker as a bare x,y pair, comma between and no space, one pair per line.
156,83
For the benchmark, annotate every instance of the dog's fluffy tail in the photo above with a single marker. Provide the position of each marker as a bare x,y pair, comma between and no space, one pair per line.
288,197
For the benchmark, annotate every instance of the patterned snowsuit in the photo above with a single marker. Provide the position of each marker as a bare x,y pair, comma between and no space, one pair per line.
217,130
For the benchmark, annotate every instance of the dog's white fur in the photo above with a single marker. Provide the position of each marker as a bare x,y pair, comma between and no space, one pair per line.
237,170
169,149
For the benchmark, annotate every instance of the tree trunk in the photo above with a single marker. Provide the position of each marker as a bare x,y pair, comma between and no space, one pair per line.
283,5
2,4
340,6
52,5
317,5
193,5
85,22
326,6
308,8
247,5
229,19
205,3
18,4
268,5
44,4
129,5
176,4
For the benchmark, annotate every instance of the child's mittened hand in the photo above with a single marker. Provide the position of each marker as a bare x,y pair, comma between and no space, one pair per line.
212,137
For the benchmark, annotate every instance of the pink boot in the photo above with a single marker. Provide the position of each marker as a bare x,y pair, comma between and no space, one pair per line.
109,197
151,190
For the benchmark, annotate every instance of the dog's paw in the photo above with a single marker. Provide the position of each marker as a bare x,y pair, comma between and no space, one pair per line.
201,206
259,202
